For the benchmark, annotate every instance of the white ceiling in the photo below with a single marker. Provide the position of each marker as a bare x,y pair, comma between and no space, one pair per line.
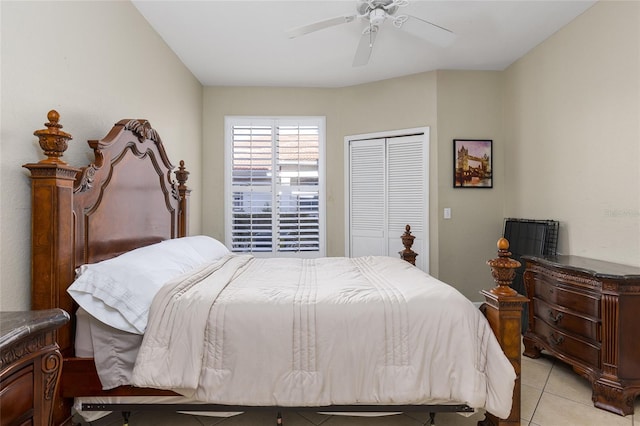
243,43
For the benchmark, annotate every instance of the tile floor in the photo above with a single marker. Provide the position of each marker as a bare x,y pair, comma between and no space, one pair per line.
552,395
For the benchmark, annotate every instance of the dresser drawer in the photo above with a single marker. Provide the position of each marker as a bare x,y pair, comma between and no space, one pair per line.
574,300
563,343
16,397
565,320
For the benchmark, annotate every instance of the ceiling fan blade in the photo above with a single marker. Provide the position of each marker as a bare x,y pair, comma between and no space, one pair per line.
320,25
426,30
365,46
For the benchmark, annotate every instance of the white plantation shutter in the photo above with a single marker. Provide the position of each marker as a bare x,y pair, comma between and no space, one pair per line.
274,186
388,189
298,194
251,180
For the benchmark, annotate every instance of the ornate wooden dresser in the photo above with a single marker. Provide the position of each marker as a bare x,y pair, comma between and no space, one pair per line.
586,312
30,365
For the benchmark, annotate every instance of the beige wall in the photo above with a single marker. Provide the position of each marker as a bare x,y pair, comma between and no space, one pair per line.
388,105
572,131
463,104
96,63
469,107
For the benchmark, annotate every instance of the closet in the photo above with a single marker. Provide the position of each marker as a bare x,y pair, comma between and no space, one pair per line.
386,189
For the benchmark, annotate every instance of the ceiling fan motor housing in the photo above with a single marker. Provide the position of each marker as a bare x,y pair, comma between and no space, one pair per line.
384,8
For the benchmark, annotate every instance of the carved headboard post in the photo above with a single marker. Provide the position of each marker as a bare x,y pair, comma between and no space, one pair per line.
183,221
503,310
52,227
125,199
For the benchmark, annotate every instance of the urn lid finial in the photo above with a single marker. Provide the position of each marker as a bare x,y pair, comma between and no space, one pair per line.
53,140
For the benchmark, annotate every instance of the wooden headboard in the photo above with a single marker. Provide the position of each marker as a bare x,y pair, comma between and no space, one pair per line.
125,199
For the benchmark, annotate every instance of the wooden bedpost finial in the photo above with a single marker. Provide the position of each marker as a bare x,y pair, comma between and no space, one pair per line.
407,241
503,270
182,174
183,191
53,141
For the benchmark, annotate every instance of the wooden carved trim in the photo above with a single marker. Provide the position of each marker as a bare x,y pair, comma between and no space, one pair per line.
85,180
48,171
592,283
19,350
143,130
505,304
51,364
616,287
609,393
609,335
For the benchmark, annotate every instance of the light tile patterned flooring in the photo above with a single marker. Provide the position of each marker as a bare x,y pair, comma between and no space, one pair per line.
552,395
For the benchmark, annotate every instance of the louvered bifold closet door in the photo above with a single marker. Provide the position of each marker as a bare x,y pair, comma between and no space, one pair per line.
388,189
406,193
367,197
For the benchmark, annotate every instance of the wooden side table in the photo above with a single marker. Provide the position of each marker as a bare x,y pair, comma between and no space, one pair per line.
30,365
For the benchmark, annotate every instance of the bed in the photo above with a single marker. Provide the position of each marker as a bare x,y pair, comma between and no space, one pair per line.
132,198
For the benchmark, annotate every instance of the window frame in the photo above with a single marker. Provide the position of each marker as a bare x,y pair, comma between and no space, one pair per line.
274,121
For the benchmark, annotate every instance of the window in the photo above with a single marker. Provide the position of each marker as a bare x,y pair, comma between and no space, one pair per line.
274,185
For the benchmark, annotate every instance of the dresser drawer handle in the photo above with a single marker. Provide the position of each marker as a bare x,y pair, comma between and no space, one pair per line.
555,341
556,318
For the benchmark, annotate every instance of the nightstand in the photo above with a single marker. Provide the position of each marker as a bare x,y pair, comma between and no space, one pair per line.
30,365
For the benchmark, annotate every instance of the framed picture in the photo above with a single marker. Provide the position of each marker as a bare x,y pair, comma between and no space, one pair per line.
472,163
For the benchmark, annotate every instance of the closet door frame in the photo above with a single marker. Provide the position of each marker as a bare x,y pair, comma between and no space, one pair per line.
422,131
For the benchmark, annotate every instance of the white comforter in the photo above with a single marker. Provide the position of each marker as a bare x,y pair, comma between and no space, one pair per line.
300,332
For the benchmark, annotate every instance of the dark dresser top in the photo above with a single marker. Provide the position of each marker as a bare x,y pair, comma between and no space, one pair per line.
594,267
19,324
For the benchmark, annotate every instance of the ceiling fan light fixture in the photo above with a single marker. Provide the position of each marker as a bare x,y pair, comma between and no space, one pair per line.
377,16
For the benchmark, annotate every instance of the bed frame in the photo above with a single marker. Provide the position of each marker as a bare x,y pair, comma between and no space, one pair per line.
128,198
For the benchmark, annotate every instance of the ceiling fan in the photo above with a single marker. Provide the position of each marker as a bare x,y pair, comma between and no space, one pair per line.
375,13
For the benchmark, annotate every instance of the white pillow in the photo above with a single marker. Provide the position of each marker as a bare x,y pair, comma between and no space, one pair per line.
119,291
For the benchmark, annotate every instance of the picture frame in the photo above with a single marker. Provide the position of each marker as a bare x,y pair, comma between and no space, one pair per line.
473,163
